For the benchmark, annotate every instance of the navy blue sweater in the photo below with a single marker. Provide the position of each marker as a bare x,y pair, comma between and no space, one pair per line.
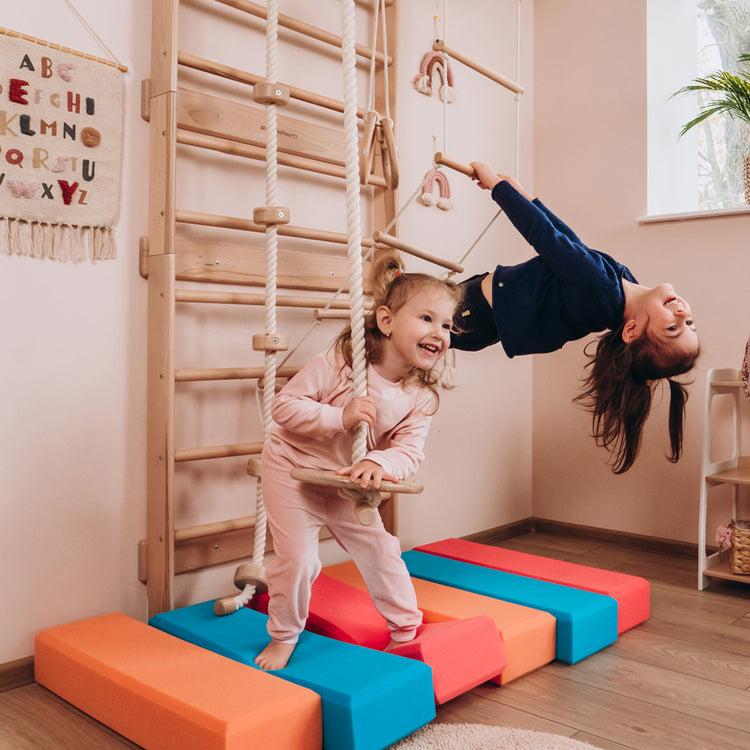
563,293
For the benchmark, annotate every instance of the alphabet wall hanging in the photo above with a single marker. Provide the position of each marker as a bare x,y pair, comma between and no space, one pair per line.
60,150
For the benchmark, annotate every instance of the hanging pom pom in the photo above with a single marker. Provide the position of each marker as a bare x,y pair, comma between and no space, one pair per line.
427,199
448,377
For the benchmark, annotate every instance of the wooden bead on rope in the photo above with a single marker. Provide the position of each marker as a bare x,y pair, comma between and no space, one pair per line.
247,573
270,342
251,573
271,93
271,215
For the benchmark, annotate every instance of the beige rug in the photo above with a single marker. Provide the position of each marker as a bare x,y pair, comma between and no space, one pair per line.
482,737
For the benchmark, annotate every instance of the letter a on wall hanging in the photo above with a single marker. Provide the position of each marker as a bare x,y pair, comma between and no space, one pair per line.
60,150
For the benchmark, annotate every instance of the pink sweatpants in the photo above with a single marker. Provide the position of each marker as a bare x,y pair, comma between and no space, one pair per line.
296,512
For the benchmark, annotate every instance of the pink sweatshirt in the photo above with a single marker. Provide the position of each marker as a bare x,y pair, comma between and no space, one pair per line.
308,426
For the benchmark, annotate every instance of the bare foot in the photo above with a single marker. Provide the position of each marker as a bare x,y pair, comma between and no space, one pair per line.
275,655
393,645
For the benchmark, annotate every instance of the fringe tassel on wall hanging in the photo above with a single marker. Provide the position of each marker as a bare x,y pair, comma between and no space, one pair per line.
59,242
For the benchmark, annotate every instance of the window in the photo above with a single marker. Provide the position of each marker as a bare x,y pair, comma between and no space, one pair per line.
703,169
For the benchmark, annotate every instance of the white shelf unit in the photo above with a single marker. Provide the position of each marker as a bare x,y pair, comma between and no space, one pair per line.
732,470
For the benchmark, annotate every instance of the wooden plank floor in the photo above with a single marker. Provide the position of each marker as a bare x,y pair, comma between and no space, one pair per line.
680,681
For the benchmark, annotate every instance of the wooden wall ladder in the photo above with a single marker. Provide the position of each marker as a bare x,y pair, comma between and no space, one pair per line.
180,118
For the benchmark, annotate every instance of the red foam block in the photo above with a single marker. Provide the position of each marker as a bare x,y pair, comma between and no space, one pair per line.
341,612
462,654
630,592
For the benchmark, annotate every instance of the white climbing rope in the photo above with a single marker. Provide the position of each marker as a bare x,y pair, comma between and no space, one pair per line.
271,254
353,219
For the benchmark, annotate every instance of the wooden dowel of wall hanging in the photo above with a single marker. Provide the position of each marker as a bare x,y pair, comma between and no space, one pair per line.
286,230
234,148
396,243
243,76
44,43
294,24
440,46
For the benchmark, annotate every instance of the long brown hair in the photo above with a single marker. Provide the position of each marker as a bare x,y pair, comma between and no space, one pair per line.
618,391
392,287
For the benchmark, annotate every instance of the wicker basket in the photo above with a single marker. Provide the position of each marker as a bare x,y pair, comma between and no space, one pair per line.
739,560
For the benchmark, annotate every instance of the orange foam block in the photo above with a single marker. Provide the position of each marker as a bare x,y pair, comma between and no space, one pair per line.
630,592
528,635
166,694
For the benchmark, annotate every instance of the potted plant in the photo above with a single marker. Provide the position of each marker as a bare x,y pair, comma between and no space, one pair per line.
727,93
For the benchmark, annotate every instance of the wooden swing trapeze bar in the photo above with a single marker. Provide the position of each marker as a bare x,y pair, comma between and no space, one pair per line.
459,166
331,479
397,244
439,45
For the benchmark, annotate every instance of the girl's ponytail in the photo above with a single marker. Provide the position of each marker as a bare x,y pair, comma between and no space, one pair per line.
617,391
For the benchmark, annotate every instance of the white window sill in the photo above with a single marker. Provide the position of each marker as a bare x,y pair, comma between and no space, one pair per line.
695,215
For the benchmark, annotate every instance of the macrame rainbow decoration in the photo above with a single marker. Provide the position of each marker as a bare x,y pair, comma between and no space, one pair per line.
435,70
436,178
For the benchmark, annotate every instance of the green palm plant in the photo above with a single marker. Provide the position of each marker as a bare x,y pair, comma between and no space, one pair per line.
729,94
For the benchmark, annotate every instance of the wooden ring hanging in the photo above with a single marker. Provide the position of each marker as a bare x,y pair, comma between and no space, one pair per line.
388,153
367,145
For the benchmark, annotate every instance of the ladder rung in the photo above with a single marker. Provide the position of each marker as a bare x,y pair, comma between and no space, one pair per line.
240,298
306,29
242,76
229,373
217,451
285,230
209,529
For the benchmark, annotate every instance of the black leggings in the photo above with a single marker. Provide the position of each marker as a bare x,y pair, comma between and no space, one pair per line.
474,322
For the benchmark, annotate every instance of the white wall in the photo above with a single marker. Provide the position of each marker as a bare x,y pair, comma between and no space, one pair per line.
74,336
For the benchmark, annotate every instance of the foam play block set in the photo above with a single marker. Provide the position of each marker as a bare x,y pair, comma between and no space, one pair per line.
462,653
166,694
630,592
187,681
370,699
586,622
528,635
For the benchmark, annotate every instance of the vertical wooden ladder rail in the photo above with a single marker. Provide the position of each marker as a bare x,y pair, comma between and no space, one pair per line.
161,294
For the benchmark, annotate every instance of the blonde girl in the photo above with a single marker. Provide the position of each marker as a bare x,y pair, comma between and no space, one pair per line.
314,418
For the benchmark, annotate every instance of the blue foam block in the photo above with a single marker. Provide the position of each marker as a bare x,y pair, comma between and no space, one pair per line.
370,699
586,622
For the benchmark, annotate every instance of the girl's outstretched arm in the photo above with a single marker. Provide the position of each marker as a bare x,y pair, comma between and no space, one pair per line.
487,178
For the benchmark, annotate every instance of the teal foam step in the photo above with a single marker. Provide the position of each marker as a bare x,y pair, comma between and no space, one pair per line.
370,699
586,622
